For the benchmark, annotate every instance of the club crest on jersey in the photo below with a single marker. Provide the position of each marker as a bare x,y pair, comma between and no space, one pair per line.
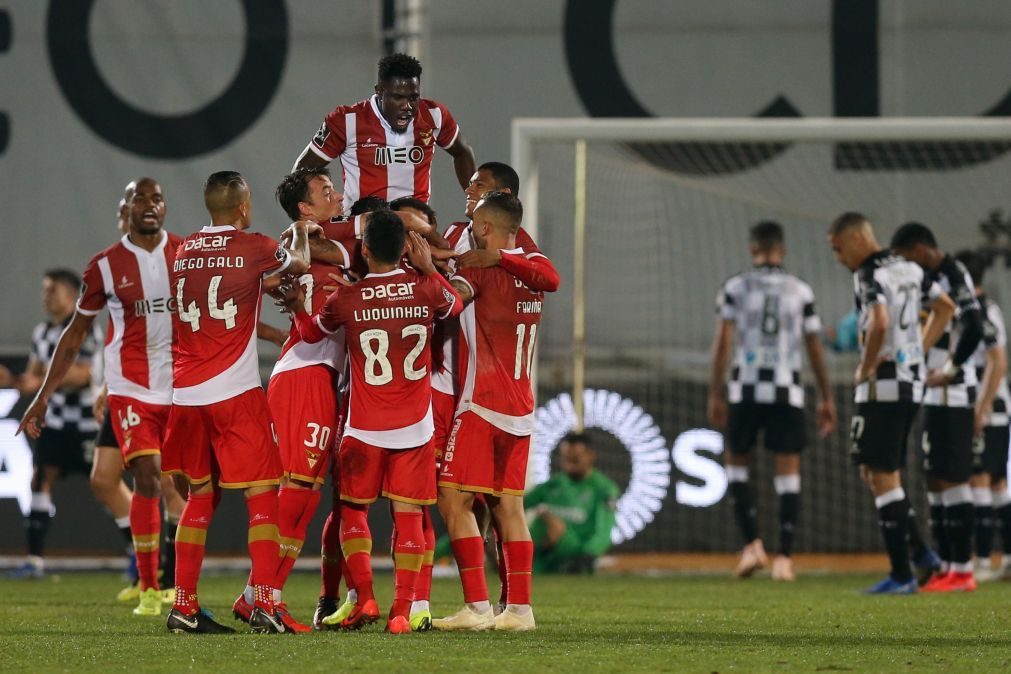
320,138
426,137
280,254
399,155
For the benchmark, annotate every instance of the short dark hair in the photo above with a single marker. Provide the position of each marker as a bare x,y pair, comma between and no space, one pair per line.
506,205
294,189
385,236
847,220
367,205
577,438
416,204
221,190
398,65
505,176
912,234
65,276
974,263
767,234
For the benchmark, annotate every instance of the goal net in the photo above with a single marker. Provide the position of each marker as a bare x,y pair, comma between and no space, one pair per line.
646,218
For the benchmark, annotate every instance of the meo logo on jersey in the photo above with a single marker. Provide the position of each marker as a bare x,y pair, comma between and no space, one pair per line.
399,155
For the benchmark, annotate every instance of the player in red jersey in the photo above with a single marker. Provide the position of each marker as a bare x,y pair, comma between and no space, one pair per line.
387,448
386,142
487,448
302,393
131,278
220,433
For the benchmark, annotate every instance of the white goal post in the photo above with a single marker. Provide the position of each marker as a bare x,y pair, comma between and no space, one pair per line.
527,133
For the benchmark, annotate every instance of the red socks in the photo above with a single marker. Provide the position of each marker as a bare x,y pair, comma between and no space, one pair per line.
295,508
263,545
423,586
408,554
469,554
145,526
332,559
190,539
519,562
356,543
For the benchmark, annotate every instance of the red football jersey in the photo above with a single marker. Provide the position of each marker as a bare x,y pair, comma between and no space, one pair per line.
376,160
134,284
387,320
217,278
497,351
461,239
296,352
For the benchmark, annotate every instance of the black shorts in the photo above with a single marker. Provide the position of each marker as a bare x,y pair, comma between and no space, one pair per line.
879,433
947,442
782,425
106,435
990,452
69,450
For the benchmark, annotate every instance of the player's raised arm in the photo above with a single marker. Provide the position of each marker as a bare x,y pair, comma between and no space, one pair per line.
62,364
464,162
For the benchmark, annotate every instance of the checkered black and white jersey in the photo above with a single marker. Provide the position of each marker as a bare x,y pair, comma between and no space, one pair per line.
69,408
954,279
772,311
899,285
994,334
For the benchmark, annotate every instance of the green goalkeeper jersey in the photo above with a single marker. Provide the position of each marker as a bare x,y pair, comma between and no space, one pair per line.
586,507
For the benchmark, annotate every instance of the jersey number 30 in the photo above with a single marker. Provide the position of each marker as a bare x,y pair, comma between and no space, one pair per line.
378,369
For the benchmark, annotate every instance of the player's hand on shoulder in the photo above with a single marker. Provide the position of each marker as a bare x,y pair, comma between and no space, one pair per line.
290,296
480,258
339,281
419,253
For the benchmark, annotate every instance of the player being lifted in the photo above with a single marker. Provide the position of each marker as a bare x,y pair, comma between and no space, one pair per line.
990,445
949,403
770,314
220,432
387,444
487,449
386,142
888,378
131,278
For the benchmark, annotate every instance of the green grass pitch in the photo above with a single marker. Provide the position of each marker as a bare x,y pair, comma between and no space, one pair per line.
604,623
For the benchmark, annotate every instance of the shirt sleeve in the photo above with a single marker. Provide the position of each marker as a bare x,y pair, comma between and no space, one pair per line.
962,290
93,298
812,323
446,301
535,270
996,319
272,258
331,315
331,138
869,289
468,276
448,129
726,302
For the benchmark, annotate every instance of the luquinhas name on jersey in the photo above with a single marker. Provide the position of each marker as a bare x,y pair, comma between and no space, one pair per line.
909,354
390,290
529,307
390,313
220,262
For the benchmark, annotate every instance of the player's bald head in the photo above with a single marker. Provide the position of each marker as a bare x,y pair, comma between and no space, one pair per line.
501,210
224,192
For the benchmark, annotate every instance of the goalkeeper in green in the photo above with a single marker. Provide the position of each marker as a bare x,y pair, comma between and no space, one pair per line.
572,514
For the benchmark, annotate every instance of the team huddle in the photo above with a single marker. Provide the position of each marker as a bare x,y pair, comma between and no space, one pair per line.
405,373
928,337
